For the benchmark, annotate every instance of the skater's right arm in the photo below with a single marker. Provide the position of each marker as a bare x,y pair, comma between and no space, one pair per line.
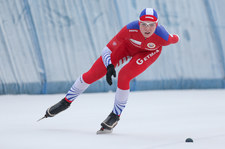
113,45
108,50
106,56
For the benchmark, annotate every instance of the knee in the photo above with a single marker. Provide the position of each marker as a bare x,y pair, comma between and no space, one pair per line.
96,72
91,76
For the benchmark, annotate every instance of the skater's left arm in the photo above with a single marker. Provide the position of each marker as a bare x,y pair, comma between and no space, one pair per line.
173,38
167,38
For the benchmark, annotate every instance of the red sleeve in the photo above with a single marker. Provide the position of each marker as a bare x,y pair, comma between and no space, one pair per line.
118,39
172,39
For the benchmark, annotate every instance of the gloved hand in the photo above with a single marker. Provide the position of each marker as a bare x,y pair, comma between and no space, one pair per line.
110,71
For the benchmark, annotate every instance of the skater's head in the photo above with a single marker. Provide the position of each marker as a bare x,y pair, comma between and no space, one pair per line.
148,21
148,14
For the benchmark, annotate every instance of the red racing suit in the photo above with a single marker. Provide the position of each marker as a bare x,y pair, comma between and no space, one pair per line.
130,42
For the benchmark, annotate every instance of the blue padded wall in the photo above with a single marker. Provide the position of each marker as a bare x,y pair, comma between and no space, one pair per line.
46,44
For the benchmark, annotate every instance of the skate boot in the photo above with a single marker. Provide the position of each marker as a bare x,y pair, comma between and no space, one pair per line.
109,123
57,108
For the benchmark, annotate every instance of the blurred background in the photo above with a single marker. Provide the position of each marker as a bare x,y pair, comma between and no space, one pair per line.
46,44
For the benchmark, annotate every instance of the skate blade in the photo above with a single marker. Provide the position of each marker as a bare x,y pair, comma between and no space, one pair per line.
104,131
41,118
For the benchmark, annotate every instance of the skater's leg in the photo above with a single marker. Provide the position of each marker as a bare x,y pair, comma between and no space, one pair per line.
96,72
111,121
138,64
78,87
121,98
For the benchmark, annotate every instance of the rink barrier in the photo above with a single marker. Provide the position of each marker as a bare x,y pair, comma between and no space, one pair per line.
102,86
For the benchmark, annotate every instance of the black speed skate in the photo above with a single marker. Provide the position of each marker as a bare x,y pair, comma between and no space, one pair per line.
109,123
57,108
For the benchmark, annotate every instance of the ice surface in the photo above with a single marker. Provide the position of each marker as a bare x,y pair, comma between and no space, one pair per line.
151,120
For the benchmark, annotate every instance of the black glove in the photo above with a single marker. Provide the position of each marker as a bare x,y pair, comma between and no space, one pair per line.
110,71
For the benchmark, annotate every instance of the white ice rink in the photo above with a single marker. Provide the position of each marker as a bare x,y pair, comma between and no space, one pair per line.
151,120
